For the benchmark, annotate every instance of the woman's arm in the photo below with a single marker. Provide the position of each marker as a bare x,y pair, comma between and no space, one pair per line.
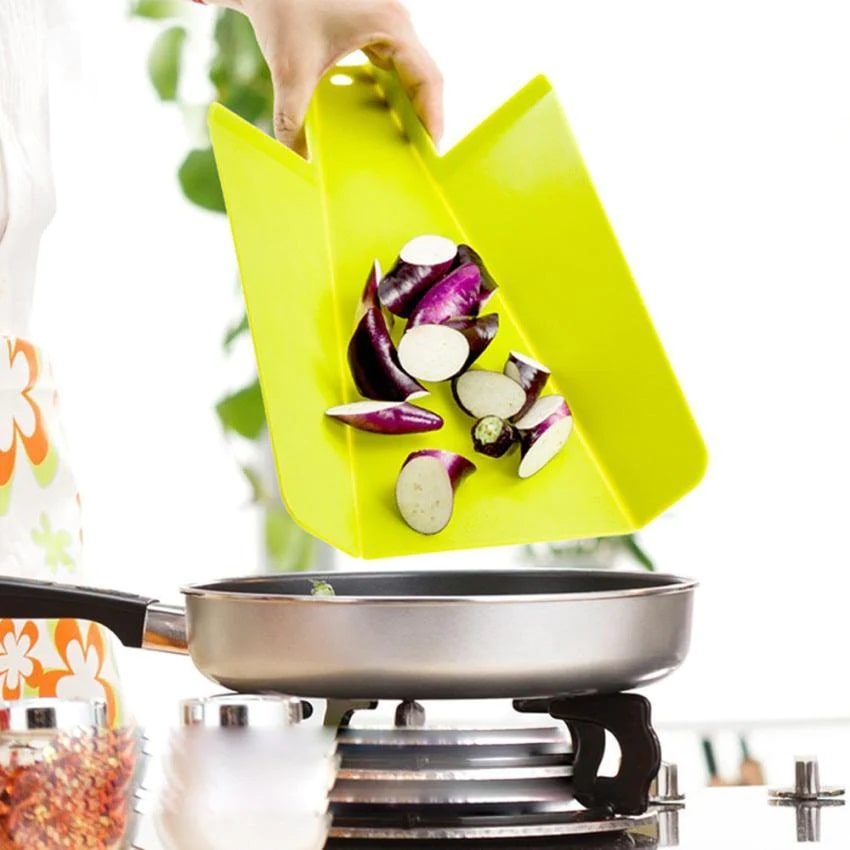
301,39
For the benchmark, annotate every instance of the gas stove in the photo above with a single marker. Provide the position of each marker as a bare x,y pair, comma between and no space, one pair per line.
412,783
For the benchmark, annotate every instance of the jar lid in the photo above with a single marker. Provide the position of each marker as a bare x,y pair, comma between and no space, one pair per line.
258,711
29,715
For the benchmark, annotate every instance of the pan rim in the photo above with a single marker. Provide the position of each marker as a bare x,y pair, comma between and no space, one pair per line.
667,584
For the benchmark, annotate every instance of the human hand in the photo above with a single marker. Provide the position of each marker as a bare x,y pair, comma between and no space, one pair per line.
302,39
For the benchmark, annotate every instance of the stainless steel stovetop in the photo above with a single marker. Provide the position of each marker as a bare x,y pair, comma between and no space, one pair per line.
711,819
409,786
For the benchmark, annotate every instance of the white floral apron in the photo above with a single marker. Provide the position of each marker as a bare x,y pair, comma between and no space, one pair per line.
40,530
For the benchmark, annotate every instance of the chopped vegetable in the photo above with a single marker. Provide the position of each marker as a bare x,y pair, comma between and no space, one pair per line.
369,296
465,254
543,432
543,407
421,263
374,364
479,331
386,417
457,294
320,587
425,488
480,392
529,374
433,352
493,436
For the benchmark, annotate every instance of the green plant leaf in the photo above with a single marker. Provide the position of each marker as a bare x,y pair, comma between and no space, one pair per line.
636,551
234,332
164,62
254,103
242,412
199,180
156,9
255,481
289,546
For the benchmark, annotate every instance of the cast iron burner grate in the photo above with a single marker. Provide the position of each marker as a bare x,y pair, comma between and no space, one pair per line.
416,784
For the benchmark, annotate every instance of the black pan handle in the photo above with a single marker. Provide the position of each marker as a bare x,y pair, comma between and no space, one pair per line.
136,621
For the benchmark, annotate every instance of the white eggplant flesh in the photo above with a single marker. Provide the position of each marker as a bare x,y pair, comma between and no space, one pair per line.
425,488
543,408
481,392
433,352
541,443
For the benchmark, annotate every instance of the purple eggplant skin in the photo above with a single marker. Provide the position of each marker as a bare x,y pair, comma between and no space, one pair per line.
479,331
493,436
387,417
369,296
529,374
457,294
409,279
374,364
457,466
465,254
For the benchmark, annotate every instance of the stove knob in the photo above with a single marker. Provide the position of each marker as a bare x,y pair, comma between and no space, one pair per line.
665,790
806,783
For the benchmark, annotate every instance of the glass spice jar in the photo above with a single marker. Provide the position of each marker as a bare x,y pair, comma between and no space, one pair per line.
245,771
66,778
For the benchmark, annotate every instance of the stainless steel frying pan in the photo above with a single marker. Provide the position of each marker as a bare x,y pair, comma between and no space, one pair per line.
403,635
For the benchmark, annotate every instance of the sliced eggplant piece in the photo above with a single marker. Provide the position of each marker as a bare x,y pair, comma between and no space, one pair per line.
479,331
425,488
433,352
420,264
493,436
387,417
457,294
465,254
374,365
369,297
544,407
480,393
529,374
546,437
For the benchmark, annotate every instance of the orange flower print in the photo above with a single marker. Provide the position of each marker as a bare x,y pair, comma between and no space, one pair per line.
83,657
16,664
21,420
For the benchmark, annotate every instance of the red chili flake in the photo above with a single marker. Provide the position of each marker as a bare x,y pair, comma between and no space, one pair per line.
76,793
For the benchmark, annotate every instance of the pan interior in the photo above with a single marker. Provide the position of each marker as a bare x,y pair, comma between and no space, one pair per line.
437,583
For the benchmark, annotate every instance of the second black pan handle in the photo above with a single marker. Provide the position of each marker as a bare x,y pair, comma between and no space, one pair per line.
136,620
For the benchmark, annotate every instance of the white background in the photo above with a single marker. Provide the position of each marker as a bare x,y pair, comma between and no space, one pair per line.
718,137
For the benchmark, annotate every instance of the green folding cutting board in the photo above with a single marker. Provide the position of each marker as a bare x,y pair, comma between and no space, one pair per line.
517,191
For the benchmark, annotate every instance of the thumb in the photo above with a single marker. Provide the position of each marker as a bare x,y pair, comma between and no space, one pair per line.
292,95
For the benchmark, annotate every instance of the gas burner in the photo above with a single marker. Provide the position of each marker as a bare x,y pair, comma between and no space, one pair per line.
490,827
410,782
